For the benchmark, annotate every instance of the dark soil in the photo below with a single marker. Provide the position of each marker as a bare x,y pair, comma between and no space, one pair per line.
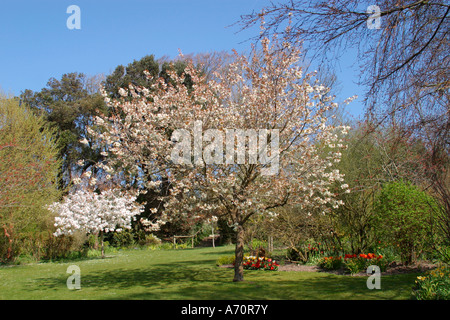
393,268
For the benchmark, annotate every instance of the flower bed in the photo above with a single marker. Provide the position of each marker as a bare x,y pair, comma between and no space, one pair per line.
260,263
331,263
433,285
353,263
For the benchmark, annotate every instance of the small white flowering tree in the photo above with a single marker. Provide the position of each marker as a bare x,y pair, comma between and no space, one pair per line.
95,213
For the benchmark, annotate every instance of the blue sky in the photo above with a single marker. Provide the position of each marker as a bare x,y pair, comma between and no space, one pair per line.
35,43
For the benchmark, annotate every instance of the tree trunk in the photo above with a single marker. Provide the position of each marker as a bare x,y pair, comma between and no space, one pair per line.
239,255
270,244
103,249
213,236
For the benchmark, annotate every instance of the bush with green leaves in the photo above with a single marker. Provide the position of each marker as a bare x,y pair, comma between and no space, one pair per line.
443,253
125,238
406,217
150,240
225,260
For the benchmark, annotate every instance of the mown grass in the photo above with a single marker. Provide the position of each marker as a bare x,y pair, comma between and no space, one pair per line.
185,274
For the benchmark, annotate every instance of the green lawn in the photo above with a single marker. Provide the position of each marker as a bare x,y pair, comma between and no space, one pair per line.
185,274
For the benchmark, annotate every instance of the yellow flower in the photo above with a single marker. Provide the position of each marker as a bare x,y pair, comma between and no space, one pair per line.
421,278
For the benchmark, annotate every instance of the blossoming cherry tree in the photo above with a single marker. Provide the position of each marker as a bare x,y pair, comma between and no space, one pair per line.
265,91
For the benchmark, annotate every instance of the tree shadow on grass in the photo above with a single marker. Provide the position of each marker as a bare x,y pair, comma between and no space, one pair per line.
340,287
201,280
156,276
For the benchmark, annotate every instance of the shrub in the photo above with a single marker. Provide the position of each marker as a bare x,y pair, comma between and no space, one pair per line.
255,245
152,240
296,254
125,238
164,246
57,247
405,217
45,246
225,260
443,254
434,285
9,247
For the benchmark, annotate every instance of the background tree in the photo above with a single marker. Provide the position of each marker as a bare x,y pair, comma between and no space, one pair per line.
29,166
133,74
69,105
